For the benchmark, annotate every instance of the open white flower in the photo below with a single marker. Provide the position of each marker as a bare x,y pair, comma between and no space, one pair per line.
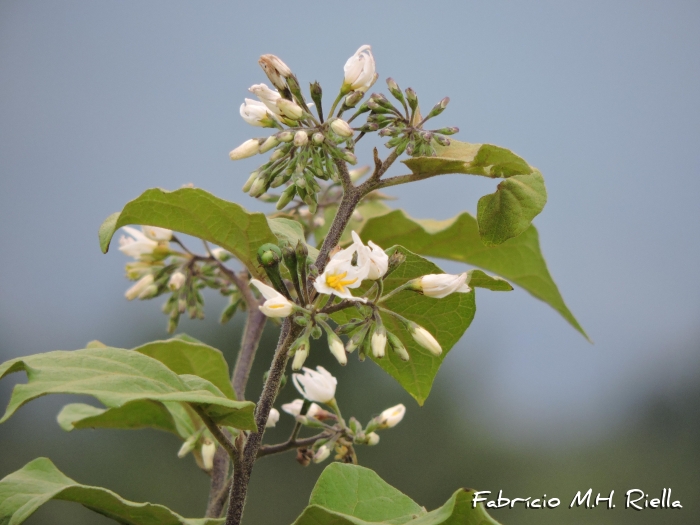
316,385
340,274
294,408
443,284
267,96
378,262
136,245
256,113
360,71
276,304
273,418
392,416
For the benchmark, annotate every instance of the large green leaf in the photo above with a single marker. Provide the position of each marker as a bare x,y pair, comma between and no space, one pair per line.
39,481
519,199
115,377
354,495
194,358
519,259
447,319
195,212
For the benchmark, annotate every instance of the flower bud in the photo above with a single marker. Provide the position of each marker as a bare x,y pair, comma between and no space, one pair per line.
258,187
440,285
442,140
342,128
318,138
397,346
379,342
208,451
353,98
290,109
300,357
177,279
269,143
273,418
447,131
337,348
247,149
286,197
391,416
349,157
250,181
188,445
394,89
412,98
322,454
316,93
425,339
300,139
285,136
139,287
372,439
276,70
438,108
277,154
360,71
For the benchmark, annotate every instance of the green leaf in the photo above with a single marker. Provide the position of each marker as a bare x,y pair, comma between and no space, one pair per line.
195,358
479,279
446,319
486,160
116,377
195,212
519,199
519,259
354,495
39,481
291,231
509,211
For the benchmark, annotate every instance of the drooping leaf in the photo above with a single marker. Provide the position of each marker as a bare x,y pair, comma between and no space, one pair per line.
354,495
195,212
479,279
116,377
446,319
509,211
195,358
39,481
519,259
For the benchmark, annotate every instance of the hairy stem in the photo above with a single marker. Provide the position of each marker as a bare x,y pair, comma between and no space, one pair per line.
255,324
289,445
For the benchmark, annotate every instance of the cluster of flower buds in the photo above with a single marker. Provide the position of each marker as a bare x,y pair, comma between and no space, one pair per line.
306,147
160,268
318,388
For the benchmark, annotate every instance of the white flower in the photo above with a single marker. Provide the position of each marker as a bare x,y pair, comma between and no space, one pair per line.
220,254
139,287
442,285
276,304
289,109
267,96
340,274
378,262
391,416
208,451
256,113
379,342
316,385
157,234
294,408
276,70
273,418
322,454
426,339
372,439
136,245
177,279
360,71
342,128
249,148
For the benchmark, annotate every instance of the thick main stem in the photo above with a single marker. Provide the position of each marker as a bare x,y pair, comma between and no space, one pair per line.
252,333
239,489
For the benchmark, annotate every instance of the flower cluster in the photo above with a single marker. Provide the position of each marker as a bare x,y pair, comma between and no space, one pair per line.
318,388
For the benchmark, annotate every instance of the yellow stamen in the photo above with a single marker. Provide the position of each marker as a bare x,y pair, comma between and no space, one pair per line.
337,283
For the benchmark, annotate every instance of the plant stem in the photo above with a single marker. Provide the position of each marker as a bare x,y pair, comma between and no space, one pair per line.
289,445
255,324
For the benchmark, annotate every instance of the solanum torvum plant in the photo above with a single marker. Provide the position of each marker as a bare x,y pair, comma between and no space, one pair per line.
333,262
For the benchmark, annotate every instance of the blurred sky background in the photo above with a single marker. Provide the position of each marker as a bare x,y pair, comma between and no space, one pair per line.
102,100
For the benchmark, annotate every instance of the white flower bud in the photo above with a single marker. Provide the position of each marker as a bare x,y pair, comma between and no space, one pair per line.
267,96
318,138
294,408
391,416
276,70
372,439
316,385
270,142
247,149
157,234
360,71
273,418
300,358
358,173
150,291
425,339
188,445
342,128
442,285
300,139
249,183
138,288
220,254
208,451
137,244
258,187
285,136
379,342
322,454
177,279
290,109
337,348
